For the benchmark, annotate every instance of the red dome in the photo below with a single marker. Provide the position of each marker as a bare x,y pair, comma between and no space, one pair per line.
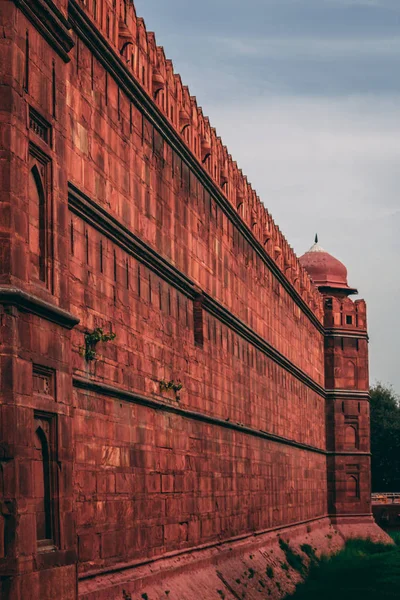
324,269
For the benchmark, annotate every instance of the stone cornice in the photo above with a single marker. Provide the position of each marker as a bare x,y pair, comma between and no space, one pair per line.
116,392
114,65
98,218
112,391
218,311
347,394
346,453
360,334
26,302
51,24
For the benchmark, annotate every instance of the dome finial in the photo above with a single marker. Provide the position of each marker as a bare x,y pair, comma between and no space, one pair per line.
316,238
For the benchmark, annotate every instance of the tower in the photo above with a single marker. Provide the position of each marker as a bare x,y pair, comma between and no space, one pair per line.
347,395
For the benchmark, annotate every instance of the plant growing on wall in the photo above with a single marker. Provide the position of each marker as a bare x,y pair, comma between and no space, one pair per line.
88,351
175,386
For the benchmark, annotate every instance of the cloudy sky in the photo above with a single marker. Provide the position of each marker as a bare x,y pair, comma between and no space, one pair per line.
306,95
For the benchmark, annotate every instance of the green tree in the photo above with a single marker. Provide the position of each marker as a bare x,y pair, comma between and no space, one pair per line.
385,439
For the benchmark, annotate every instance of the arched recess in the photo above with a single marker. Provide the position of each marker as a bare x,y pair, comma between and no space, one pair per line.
37,223
43,485
352,487
350,437
127,51
241,208
351,373
255,229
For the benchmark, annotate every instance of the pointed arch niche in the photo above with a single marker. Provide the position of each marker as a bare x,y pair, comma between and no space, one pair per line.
38,211
352,486
45,481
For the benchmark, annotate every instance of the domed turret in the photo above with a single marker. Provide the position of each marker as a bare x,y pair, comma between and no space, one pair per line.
326,271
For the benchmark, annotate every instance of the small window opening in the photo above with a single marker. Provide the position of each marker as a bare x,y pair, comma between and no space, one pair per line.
349,320
101,256
44,508
92,70
150,291
26,77
54,89
37,229
198,322
72,241
77,55
87,246
160,303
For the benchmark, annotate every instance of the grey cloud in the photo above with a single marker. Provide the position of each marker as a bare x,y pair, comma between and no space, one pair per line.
314,47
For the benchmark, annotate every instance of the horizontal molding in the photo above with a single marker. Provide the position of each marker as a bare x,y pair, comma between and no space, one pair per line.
50,23
112,391
355,454
26,302
97,217
224,316
347,394
88,210
114,65
362,334
349,516
121,394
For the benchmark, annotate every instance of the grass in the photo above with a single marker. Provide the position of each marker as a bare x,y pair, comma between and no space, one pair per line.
363,570
293,559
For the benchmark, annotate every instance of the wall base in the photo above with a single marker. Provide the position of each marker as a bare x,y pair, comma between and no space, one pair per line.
46,584
256,566
360,526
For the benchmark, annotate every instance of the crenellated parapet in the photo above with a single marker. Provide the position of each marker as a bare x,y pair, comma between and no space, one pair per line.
344,313
127,34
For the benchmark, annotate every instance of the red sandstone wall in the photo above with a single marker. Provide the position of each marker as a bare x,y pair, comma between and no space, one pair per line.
147,482
227,378
150,195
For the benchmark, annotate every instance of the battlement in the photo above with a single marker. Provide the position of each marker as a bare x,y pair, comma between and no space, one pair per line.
345,313
127,35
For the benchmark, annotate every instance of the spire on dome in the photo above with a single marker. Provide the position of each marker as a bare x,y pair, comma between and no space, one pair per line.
325,270
316,247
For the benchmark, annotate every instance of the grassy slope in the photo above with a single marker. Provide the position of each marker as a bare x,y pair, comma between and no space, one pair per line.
362,571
